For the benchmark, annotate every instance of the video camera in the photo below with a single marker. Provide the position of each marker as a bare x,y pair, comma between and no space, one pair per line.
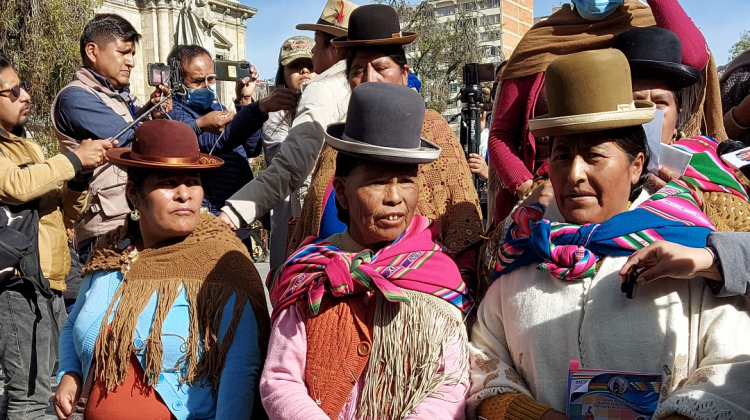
471,113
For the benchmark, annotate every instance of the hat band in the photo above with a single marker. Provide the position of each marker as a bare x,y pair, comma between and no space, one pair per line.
347,138
171,161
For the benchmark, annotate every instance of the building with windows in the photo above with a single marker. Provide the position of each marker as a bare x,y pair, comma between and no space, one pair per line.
501,23
157,21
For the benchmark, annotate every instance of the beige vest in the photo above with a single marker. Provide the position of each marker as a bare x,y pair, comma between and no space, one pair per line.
107,207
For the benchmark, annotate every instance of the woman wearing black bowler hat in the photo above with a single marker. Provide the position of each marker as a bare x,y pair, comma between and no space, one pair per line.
375,53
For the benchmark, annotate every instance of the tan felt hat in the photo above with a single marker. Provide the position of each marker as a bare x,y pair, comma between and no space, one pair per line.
334,20
590,91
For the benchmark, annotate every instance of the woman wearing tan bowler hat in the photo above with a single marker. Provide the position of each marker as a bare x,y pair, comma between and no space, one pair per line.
558,291
171,319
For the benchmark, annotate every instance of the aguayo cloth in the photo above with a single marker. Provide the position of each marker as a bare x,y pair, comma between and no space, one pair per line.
706,170
416,261
570,252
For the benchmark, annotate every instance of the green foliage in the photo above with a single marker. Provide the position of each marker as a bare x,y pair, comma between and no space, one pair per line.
40,38
741,46
442,48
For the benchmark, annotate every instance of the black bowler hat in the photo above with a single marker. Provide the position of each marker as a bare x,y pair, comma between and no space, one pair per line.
656,53
384,124
374,24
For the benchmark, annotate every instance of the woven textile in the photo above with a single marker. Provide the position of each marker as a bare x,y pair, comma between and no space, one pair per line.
706,171
447,192
416,261
570,252
210,264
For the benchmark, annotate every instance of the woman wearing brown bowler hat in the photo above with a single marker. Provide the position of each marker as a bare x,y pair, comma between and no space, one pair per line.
171,318
375,53
558,294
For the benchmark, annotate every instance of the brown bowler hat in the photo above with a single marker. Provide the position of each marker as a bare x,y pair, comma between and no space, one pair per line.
334,20
374,24
164,144
590,91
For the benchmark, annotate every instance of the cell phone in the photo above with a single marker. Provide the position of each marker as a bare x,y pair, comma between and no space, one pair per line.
158,73
231,71
630,287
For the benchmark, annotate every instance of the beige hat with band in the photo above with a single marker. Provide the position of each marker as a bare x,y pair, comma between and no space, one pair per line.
590,91
334,20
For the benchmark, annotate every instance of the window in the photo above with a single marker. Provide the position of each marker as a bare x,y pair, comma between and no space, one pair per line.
445,10
490,36
486,4
468,7
454,87
493,51
491,20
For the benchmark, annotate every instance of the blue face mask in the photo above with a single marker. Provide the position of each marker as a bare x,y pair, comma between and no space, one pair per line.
202,98
596,9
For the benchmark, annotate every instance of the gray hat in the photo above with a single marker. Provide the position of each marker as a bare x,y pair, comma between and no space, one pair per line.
384,124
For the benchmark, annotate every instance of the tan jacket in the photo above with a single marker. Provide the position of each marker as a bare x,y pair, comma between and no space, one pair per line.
324,101
59,206
107,206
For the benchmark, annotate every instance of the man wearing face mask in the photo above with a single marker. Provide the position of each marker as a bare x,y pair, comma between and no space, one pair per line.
232,137
515,154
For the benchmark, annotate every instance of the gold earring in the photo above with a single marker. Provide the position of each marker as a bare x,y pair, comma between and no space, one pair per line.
135,215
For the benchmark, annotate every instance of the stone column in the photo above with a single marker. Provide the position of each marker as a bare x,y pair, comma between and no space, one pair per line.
165,31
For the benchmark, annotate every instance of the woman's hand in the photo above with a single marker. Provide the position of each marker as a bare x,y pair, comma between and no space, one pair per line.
543,194
223,218
67,394
478,166
245,87
524,188
666,259
656,183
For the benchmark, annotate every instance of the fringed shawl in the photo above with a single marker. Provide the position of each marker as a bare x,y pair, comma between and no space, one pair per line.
210,264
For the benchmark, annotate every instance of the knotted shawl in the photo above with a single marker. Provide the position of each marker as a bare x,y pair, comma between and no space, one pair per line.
210,264
570,252
417,261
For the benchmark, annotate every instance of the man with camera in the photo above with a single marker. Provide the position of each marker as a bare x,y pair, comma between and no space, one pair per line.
38,197
98,104
232,137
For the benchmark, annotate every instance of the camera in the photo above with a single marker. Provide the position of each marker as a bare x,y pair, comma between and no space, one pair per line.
471,113
168,74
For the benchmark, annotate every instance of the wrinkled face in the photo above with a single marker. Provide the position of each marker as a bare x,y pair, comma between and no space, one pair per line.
14,110
112,61
169,204
324,54
658,92
298,72
381,200
197,71
592,177
373,66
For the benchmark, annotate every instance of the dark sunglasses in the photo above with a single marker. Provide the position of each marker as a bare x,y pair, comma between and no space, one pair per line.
16,91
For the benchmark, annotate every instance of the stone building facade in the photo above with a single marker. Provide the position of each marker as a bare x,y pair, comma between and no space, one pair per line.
156,21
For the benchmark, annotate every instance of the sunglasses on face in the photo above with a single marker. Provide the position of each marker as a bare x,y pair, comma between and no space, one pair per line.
15,91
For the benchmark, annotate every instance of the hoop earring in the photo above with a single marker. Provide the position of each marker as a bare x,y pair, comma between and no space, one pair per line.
135,215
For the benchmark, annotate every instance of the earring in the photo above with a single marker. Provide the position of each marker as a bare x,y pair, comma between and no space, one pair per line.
135,215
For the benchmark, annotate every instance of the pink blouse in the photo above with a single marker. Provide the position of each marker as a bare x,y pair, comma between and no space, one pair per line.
285,396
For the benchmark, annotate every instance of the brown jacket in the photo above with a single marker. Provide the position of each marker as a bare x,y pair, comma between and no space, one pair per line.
44,179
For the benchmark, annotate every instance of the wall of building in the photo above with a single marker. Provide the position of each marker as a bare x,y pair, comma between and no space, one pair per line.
156,21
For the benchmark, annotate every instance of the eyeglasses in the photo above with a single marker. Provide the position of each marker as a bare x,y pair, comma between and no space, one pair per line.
15,91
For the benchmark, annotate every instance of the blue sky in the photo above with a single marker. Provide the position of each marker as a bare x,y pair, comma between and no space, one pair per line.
721,24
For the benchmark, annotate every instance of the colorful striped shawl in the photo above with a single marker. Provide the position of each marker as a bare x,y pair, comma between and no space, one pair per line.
570,252
706,170
416,261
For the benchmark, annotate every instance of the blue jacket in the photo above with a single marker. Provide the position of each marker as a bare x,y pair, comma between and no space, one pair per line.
241,139
242,368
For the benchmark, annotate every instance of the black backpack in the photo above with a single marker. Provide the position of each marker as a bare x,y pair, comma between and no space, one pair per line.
19,248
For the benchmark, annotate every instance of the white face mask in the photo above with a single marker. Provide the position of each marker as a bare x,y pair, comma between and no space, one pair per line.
596,9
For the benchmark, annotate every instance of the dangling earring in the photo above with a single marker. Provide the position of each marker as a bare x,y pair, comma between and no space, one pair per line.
135,215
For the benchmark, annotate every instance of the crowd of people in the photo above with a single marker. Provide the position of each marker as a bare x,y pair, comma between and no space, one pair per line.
395,291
